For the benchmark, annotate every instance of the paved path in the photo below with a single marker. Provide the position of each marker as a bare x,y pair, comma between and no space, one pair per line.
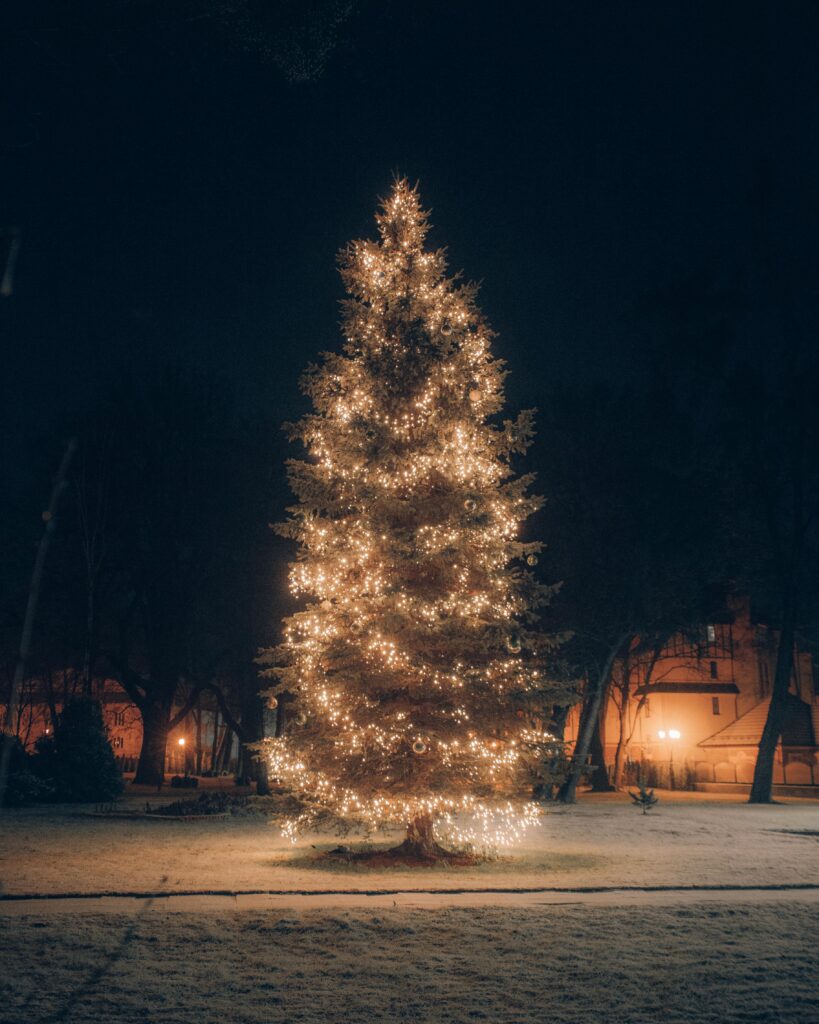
210,902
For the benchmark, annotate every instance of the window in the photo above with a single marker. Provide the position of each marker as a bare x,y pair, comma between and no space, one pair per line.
647,708
714,672
119,718
117,742
715,705
712,641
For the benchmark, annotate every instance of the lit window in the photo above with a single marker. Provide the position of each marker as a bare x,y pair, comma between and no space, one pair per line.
715,705
119,718
712,634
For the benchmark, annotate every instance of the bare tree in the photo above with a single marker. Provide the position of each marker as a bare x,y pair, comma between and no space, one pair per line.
50,519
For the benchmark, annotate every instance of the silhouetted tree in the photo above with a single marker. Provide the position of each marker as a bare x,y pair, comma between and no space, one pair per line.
631,540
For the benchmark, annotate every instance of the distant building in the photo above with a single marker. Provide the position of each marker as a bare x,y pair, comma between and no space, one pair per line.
700,718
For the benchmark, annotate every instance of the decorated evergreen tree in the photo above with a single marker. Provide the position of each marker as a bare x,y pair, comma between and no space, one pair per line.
415,673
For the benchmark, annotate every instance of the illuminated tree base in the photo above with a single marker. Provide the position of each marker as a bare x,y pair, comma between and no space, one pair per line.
419,849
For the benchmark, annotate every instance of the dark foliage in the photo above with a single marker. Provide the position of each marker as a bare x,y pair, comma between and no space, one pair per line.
77,762
23,786
204,804
184,782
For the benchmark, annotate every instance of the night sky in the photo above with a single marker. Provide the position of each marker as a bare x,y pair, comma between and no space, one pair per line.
182,197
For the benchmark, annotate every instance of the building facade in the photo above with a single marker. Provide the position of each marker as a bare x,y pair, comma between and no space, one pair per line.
698,720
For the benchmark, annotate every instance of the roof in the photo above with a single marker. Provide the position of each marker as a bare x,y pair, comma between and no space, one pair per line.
692,687
746,731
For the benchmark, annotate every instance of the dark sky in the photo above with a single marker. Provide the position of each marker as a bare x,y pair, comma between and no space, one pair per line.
181,196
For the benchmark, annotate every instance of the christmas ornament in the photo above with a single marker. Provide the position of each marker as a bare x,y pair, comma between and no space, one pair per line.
470,504
419,747
513,643
474,394
531,559
446,329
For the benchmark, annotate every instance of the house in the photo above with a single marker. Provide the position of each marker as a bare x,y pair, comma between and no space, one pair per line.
697,721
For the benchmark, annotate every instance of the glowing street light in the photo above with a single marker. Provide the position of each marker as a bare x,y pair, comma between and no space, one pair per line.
671,735
181,741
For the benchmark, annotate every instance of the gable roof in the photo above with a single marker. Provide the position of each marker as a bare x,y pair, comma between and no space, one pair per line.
746,731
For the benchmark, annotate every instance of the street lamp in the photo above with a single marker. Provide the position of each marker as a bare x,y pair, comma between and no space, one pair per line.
671,736
183,751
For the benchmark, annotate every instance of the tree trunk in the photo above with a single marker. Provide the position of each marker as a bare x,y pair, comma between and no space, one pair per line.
567,794
622,741
12,710
197,721
88,660
262,780
762,786
599,777
226,750
244,766
420,842
214,747
253,720
151,766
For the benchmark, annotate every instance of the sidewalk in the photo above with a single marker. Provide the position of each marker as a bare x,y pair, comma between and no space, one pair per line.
210,902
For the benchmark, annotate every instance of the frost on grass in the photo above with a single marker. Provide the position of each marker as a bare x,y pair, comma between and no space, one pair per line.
593,844
704,964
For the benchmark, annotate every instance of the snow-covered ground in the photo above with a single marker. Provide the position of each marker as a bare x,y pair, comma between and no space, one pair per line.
600,842
712,964
510,958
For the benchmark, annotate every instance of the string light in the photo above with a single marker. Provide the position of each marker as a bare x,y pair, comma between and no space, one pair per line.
408,661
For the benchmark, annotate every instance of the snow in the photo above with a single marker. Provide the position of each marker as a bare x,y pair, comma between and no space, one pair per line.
708,964
600,842
592,957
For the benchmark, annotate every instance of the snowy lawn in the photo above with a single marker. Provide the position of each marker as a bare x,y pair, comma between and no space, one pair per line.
709,964
688,840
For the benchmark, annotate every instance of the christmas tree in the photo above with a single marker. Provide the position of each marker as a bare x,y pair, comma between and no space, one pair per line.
415,673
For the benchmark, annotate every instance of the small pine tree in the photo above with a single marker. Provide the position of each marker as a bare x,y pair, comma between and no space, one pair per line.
77,760
415,674
644,797
23,786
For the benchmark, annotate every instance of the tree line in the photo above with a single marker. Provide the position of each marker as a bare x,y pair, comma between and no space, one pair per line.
664,493
162,572
696,479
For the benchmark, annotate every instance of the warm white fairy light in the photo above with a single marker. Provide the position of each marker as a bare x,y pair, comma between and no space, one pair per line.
416,644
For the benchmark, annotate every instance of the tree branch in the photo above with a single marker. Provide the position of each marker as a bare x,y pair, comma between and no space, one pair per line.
232,722
186,707
132,682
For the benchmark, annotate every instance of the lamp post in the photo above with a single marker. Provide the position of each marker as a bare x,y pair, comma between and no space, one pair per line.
672,736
